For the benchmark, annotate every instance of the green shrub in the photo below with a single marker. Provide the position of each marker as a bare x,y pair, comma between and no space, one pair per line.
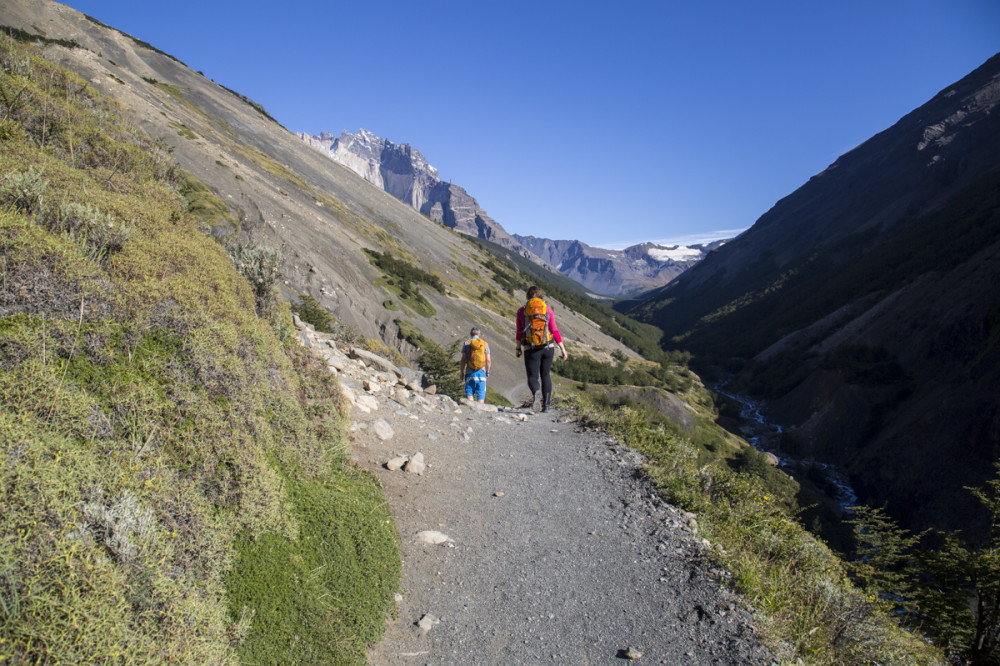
313,313
261,266
24,190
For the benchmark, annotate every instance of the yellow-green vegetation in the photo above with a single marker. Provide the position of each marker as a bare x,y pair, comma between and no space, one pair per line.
205,206
400,276
173,478
807,607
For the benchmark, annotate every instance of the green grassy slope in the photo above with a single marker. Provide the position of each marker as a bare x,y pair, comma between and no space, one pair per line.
165,446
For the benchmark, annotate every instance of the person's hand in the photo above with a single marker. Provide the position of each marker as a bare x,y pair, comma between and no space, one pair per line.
517,352
564,354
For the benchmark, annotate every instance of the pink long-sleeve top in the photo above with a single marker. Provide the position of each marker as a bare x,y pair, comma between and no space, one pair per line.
553,329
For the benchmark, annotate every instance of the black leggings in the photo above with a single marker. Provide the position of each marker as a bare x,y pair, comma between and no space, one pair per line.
539,361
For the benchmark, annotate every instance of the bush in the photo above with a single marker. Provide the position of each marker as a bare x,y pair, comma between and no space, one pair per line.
261,266
24,190
313,313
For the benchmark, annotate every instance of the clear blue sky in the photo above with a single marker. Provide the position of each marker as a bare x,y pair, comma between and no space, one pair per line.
606,122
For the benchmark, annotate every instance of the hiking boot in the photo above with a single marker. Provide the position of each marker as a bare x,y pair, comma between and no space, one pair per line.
546,399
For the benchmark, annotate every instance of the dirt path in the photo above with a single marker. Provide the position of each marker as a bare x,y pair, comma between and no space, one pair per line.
558,552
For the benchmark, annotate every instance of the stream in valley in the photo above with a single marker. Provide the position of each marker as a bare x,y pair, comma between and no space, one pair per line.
765,436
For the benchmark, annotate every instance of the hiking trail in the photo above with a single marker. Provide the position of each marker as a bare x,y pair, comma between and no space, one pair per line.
527,538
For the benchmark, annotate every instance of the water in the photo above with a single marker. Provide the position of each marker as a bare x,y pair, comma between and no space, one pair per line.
764,436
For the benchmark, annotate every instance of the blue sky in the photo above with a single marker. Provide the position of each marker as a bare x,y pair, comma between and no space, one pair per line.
606,122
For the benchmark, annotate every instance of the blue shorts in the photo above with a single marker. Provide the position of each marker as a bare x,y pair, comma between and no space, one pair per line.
475,385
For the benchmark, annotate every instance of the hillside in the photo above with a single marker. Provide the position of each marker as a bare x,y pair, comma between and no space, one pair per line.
165,444
279,192
864,308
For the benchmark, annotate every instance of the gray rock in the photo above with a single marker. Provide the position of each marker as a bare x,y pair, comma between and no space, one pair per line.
415,465
396,463
383,429
433,537
427,622
373,359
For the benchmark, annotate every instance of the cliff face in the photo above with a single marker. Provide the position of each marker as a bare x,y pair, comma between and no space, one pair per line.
618,273
864,308
402,171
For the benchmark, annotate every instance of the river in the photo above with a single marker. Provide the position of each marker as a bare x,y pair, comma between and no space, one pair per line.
765,436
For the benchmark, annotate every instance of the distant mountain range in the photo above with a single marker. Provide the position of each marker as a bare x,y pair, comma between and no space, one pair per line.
865,308
402,171
618,273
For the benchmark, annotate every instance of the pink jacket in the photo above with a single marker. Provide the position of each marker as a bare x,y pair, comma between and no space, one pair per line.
553,329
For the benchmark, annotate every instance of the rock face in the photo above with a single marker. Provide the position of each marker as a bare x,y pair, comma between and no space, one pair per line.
618,273
402,171
864,308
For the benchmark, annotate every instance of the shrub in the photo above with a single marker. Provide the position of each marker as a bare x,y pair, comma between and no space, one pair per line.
313,313
24,190
261,266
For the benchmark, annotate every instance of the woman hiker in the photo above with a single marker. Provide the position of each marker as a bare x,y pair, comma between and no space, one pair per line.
537,336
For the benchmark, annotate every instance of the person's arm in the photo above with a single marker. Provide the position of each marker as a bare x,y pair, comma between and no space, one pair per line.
461,363
489,361
517,333
556,335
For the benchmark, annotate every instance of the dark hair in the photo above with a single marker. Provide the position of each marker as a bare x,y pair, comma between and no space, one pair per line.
534,291
475,331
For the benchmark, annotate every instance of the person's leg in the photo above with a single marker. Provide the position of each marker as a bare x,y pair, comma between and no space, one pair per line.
532,361
481,390
470,386
545,367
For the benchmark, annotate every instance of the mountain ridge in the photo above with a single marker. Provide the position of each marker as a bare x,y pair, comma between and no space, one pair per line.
862,307
618,273
403,171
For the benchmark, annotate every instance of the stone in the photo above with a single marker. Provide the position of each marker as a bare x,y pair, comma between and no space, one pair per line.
632,653
373,359
372,386
415,465
427,622
396,463
382,429
367,403
432,537
431,390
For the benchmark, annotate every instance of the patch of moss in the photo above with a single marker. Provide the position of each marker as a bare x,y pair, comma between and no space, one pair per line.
318,598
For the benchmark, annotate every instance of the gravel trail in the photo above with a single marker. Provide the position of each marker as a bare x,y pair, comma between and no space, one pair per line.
558,551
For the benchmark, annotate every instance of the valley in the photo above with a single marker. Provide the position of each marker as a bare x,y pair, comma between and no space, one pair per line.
207,321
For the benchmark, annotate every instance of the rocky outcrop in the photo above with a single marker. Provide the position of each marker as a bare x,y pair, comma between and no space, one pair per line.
617,273
402,171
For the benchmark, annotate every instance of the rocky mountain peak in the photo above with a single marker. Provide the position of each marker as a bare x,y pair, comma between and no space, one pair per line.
402,171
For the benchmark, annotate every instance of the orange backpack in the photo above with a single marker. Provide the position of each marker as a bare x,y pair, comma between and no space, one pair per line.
477,354
536,323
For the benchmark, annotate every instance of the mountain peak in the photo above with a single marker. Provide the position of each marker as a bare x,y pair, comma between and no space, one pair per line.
402,171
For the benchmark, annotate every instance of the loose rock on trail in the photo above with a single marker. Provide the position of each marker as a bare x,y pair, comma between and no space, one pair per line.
528,539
